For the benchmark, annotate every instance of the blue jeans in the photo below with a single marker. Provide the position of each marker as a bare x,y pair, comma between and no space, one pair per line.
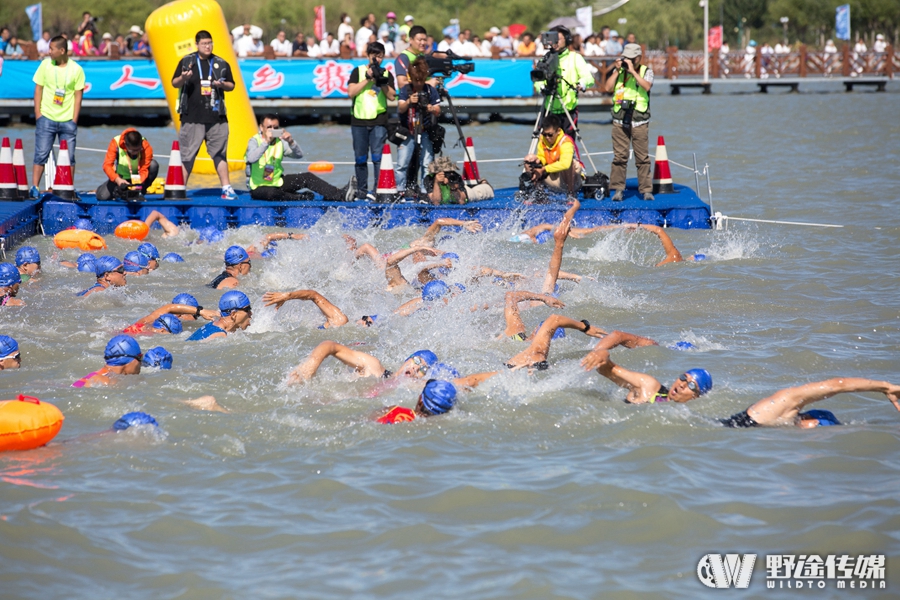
46,132
367,140
404,157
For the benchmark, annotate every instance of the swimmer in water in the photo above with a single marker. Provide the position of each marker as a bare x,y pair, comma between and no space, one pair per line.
784,406
136,264
437,398
28,261
10,356
123,357
167,319
237,263
427,240
188,300
431,293
268,243
333,315
643,388
535,356
151,253
672,253
236,312
515,327
110,272
10,280
169,228
388,262
84,263
366,365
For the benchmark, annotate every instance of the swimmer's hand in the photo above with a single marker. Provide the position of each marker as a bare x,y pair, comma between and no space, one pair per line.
276,299
893,394
595,358
554,302
205,403
472,226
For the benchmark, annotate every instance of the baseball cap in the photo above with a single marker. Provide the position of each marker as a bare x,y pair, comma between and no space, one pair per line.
9,275
135,261
148,250
703,379
235,255
121,350
438,397
631,51
158,357
8,347
410,18
391,15
27,254
168,322
134,418
233,300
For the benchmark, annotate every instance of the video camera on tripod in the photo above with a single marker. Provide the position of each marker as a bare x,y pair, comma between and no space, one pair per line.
547,69
453,63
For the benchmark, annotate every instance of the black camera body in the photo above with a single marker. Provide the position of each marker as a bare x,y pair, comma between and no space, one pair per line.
546,69
627,107
453,63
549,39
379,74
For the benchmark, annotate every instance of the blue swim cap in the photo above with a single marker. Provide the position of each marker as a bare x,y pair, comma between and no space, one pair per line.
185,299
233,300
443,371
460,287
270,253
148,250
438,397
824,417
121,350
84,224
682,345
27,254
170,323
9,275
434,290
703,379
87,262
427,355
521,237
105,264
544,237
172,257
698,257
135,261
235,255
559,333
450,255
157,357
134,418
8,346
211,234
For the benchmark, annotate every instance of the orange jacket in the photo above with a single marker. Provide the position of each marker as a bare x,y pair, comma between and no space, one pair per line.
112,157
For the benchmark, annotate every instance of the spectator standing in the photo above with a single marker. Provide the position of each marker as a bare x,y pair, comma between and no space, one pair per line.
5,34
830,53
43,44
134,36
574,76
246,45
87,24
445,43
591,48
142,47
348,48
880,45
123,46
388,45
391,27
630,39
505,43
299,47
613,47
859,61
59,86
281,45
527,47
408,23
368,118
488,42
402,44
419,107
345,27
105,46
204,78
603,41
630,83
365,31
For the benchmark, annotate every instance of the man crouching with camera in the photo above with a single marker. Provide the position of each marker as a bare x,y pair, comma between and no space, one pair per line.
630,83
555,165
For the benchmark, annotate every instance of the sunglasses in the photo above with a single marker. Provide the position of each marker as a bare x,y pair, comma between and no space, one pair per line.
120,270
692,385
548,134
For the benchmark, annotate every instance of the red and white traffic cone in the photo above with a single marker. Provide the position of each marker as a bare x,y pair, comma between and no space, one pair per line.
63,183
175,176
19,169
387,183
470,164
662,176
8,189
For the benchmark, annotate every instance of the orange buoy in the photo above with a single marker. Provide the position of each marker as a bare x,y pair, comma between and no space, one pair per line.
87,241
321,166
28,423
132,230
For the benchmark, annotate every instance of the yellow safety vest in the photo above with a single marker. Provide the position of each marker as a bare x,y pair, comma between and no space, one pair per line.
127,168
370,102
631,91
271,158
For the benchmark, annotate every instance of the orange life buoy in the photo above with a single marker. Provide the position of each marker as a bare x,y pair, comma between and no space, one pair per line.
321,166
132,230
87,241
27,423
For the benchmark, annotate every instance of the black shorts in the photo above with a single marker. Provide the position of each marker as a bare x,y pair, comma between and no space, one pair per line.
741,419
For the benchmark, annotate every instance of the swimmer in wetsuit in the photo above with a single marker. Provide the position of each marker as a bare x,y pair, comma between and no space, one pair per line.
110,272
784,406
237,263
10,356
123,357
236,312
10,280
643,388
28,261
333,315
366,365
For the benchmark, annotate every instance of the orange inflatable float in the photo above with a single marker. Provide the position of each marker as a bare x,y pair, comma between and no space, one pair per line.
132,230
321,166
88,241
27,423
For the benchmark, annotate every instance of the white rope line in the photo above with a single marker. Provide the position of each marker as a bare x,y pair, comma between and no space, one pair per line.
727,218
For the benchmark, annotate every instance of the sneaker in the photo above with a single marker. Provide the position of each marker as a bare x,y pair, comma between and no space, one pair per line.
228,193
648,196
371,197
34,192
350,194
618,196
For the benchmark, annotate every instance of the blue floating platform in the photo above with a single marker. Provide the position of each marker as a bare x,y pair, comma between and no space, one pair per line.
18,222
204,208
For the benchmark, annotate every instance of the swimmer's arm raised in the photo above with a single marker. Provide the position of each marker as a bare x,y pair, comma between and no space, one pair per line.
409,308
365,364
642,384
472,381
623,338
399,255
672,253
175,309
787,403
335,317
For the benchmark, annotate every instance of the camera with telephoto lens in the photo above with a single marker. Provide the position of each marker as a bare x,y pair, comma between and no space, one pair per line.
627,112
547,68
453,63
379,74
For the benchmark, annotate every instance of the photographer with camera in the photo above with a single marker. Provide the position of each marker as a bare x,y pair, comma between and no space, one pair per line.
567,71
443,183
370,88
129,165
421,104
88,23
630,82
555,165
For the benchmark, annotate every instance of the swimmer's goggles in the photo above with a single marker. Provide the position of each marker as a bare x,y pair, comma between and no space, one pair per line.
692,385
139,357
17,356
231,312
421,365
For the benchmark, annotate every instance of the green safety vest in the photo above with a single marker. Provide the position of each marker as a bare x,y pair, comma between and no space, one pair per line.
271,157
370,102
412,56
573,70
126,167
631,91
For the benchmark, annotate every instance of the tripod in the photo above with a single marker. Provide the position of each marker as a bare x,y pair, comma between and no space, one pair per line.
551,94
446,95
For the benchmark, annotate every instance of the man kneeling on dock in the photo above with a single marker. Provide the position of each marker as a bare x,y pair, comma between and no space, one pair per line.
266,150
555,165
129,165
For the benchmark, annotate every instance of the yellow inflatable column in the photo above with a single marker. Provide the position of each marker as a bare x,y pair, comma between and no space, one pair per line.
171,29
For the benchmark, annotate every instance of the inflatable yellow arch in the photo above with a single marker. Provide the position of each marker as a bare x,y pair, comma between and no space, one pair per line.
171,29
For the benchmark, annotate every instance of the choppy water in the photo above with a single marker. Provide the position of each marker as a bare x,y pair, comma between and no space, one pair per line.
543,486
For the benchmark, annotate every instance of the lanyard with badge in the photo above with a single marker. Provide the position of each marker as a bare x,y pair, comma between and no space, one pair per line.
205,84
60,94
135,176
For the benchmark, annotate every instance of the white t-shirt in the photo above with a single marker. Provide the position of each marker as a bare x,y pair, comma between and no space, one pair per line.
43,46
334,48
362,40
286,47
344,29
244,45
314,51
443,46
860,46
879,46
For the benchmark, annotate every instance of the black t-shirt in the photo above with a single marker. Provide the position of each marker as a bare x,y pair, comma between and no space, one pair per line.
380,119
299,46
197,107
